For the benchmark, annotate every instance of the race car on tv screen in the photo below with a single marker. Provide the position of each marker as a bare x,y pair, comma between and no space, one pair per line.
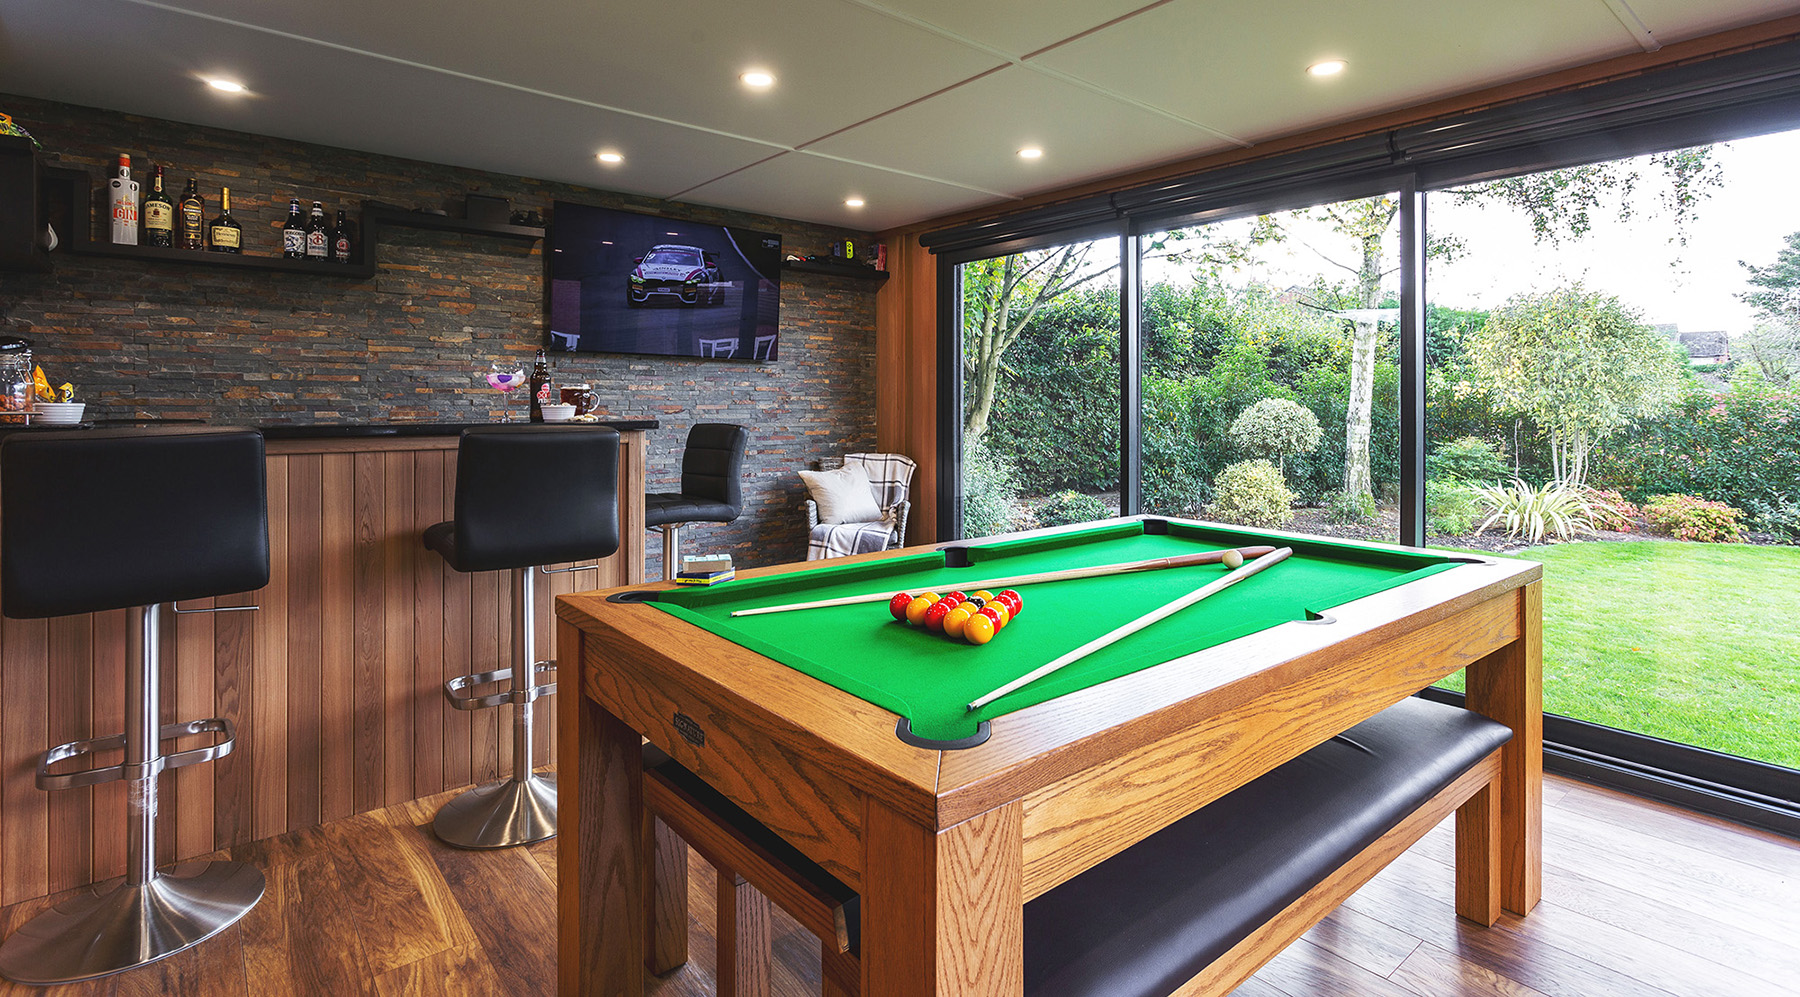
687,274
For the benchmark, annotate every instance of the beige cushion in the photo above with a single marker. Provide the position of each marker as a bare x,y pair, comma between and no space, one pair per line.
843,495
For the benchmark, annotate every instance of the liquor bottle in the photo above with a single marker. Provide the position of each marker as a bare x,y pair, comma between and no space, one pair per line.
317,239
293,234
123,194
159,215
540,386
343,240
225,234
190,218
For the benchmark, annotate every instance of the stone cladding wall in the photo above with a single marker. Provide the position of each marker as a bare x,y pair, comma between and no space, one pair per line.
165,340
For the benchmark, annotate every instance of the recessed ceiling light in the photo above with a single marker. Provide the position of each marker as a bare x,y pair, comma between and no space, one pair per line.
1031,152
611,158
222,84
1330,67
757,78
853,202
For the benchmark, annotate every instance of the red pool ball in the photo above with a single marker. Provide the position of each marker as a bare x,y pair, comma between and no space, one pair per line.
1013,602
897,605
934,617
995,613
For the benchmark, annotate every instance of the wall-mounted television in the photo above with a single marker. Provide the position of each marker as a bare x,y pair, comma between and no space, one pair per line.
623,282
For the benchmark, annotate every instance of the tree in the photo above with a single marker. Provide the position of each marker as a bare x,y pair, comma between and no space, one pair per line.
1774,345
1000,297
1578,362
1275,427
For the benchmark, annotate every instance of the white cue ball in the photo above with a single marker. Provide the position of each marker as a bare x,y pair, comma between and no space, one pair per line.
1232,559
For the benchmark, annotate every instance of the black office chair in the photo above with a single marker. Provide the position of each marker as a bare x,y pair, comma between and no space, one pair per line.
526,496
712,491
139,520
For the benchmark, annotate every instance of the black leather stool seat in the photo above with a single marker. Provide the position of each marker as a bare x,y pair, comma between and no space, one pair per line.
109,519
531,495
712,470
1152,917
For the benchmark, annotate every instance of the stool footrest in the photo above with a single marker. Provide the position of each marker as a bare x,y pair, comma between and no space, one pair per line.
116,742
457,689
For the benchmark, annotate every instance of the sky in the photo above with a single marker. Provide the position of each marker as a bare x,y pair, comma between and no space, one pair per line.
1694,285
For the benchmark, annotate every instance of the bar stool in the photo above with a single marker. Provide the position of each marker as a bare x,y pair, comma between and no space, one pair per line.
138,520
526,496
712,489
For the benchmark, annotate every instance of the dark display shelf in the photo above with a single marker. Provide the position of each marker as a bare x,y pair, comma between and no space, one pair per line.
853,270
242,261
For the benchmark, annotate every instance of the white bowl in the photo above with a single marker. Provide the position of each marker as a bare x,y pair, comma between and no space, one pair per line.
58,413
558,412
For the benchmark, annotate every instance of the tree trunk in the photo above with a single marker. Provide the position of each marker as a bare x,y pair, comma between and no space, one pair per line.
1357,415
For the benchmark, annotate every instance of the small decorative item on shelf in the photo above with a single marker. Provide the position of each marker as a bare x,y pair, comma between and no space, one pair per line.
8,128
528,219
18,392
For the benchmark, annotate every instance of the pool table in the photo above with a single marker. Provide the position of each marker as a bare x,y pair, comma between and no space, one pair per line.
847,732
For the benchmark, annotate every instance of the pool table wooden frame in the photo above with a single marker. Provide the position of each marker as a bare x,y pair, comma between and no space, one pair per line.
945,846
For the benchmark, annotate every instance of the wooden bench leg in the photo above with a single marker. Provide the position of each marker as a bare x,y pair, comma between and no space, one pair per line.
665,897
1478,856
744,938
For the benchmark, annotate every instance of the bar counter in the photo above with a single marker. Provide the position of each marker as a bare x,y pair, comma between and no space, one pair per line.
335,683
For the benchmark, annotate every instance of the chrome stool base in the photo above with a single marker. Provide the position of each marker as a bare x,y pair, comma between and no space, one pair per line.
500,814
100,934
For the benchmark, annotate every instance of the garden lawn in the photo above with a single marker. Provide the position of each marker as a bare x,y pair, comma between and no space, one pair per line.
1698,643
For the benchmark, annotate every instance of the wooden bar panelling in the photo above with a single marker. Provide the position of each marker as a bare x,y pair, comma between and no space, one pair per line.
335,683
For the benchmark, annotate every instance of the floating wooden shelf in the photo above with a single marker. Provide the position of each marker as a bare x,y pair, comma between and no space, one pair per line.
851,270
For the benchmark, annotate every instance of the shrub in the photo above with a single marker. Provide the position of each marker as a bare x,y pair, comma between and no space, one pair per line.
1533,512
1610,511
1778,515
1252,493
989,493
1275,427
1072,507
1471,459
1687,517
1351,507
1451,507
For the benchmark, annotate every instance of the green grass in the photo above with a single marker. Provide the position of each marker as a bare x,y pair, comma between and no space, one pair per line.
1698,643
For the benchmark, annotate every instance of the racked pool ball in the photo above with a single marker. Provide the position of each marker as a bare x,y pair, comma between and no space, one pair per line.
956,618
979,629
1232,559
1014,604
897,605
995,612
934,616
915,610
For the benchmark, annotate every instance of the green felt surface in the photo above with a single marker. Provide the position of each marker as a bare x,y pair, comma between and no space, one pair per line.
930,678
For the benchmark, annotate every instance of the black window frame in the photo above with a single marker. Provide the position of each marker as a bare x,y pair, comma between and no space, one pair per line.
1732,96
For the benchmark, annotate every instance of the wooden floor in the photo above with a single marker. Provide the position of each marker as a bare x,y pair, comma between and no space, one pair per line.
1639,899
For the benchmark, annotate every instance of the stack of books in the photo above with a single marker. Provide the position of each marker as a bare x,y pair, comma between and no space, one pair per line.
707,570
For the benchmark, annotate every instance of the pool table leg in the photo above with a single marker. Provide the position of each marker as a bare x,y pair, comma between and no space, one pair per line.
1508,685
599,844
943,912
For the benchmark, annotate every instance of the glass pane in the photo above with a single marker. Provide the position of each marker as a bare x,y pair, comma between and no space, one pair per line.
1040,388
1619,343
1271,369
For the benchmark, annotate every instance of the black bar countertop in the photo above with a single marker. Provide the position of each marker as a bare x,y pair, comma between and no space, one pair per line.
332,430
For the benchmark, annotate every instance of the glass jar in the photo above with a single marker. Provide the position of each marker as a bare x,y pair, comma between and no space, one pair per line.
16,389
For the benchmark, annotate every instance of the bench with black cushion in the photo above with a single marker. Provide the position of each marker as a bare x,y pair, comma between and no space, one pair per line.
1199,906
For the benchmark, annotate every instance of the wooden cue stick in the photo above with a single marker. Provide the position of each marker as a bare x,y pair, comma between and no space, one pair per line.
1064,574
1212,588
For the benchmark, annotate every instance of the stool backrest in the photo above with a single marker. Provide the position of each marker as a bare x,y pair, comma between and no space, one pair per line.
107,519
535,495
713,464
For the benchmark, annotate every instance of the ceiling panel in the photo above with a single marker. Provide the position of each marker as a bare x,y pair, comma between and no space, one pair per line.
1016,27
836,63
348,101
1677,20
813,188
1239,65
972,135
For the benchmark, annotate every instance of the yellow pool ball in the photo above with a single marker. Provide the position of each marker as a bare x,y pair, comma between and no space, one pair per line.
978,630
955,619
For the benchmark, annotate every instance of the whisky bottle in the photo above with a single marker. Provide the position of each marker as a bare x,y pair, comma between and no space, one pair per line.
293,234
342,240
123,198
190,218
159,215
225,234
317,239
540,386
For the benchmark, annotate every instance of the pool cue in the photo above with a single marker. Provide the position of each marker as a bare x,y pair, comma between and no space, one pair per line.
1064,574
1211,588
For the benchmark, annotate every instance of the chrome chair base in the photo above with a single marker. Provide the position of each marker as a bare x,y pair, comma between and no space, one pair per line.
99,934
500,814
